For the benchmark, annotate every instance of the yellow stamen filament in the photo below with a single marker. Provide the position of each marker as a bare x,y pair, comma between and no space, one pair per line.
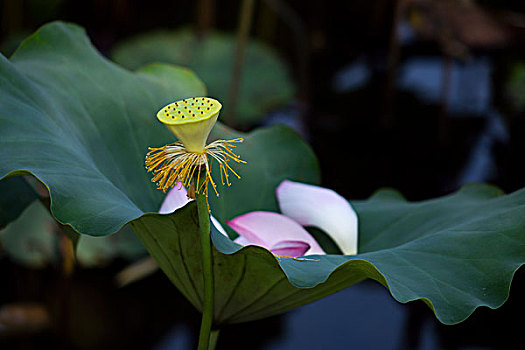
173,163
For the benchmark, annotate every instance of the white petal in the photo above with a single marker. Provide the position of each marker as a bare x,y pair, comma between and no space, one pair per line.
218,226
242,241
321,207
175,199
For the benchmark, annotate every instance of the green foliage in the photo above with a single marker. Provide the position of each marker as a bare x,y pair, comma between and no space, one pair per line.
455,253
93,251
265,83
31,240
82,125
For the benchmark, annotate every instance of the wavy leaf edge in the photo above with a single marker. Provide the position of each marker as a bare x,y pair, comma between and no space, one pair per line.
226,246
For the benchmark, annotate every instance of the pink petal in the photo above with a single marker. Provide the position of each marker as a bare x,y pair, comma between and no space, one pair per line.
317,206
175,199
266,229
290,248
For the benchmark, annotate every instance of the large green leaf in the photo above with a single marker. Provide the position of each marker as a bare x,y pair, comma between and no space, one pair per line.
455,253
81,125
264,84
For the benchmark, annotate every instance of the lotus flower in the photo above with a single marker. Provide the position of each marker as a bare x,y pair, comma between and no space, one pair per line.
191,121
283,234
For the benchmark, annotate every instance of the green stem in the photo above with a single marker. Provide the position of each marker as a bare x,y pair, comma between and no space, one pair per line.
213,339
245,22
207,272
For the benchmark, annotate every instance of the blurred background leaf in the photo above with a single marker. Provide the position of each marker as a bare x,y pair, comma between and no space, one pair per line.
15,195
101,251
32,240
265,82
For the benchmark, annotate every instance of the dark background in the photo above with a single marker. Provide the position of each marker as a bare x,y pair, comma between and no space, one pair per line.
413,94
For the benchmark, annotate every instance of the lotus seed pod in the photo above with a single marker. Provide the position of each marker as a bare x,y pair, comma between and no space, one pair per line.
191,120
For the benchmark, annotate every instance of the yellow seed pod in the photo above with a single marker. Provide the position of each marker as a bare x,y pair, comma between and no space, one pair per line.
191,120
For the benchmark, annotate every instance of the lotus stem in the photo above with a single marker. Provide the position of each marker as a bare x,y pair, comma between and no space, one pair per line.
206,336
213,339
